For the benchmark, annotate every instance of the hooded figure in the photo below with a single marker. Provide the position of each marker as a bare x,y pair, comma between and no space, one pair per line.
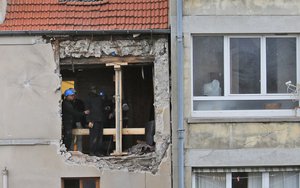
95,121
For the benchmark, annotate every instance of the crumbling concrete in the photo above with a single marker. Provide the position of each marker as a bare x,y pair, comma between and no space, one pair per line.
158,48
88,48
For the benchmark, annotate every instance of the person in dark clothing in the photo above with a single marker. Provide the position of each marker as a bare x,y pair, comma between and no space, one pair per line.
108,145
95,121
80,106
69,115
80,122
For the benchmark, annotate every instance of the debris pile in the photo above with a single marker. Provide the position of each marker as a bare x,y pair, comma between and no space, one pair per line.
140,149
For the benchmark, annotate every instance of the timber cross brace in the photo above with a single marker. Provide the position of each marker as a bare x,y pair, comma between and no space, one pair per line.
118,131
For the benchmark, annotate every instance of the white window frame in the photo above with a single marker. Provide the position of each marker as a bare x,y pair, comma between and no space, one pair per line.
265,179
262,96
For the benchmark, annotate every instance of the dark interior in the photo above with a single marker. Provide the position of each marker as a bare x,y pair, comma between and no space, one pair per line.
137,93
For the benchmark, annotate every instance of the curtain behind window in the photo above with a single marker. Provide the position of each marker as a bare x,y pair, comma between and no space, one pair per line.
210,180
284,179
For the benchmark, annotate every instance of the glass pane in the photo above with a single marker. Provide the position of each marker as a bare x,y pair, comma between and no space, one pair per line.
71,183
208,66
246,180
244,104
281,63
254,180
210,180
284,179
245,65
89,183
240,180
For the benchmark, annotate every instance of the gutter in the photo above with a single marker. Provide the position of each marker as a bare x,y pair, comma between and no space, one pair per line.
84,32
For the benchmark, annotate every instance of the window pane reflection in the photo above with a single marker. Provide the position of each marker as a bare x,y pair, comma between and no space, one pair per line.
281,63
245,65
208,66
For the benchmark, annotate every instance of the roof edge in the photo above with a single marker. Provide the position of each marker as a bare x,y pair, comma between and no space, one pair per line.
84,32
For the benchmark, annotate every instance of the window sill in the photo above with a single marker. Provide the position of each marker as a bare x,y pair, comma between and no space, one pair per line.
195,120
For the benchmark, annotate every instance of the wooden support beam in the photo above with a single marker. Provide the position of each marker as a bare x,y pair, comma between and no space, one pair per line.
107,59
118,107
117,65
111,131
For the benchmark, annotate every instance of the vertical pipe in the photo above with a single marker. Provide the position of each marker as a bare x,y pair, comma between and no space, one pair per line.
5,178
180,130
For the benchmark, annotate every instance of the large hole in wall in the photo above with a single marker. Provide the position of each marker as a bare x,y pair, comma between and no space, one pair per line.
137,93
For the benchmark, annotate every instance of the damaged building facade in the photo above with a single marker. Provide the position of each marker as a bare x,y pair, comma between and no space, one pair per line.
241,126
39,57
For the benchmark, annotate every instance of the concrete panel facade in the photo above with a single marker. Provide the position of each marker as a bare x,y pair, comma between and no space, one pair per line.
29,82
245,7
232,142
243,135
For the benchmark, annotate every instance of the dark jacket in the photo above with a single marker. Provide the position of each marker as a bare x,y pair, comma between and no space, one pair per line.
69,113
80,107
95,104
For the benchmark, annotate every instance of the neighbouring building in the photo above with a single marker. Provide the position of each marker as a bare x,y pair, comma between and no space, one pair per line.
119,47
241,124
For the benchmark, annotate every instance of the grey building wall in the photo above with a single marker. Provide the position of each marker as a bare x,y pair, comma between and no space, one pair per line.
30,125
232,142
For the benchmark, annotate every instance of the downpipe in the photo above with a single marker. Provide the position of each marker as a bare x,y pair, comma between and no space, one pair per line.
180,89
5,178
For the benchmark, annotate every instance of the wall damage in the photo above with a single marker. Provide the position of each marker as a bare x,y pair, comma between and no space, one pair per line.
157,48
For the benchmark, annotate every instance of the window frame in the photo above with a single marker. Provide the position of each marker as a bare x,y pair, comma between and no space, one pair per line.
81,179
263,95
265,179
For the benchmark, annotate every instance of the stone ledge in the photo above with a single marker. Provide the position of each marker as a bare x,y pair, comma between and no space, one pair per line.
194,120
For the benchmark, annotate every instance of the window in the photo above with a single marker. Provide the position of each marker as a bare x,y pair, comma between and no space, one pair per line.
246,180
80,182
243,75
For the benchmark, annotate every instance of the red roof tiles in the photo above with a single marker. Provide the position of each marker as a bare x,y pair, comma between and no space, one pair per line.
45,15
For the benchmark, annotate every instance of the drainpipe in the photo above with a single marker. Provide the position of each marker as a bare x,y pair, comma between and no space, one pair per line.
180,130
5,178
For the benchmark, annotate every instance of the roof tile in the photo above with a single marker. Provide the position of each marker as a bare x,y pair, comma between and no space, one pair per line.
99,15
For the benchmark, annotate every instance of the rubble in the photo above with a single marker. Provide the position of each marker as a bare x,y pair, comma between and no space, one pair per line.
140,149
88,48
132,162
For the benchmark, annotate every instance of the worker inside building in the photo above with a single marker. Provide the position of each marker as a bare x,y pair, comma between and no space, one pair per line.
92,93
